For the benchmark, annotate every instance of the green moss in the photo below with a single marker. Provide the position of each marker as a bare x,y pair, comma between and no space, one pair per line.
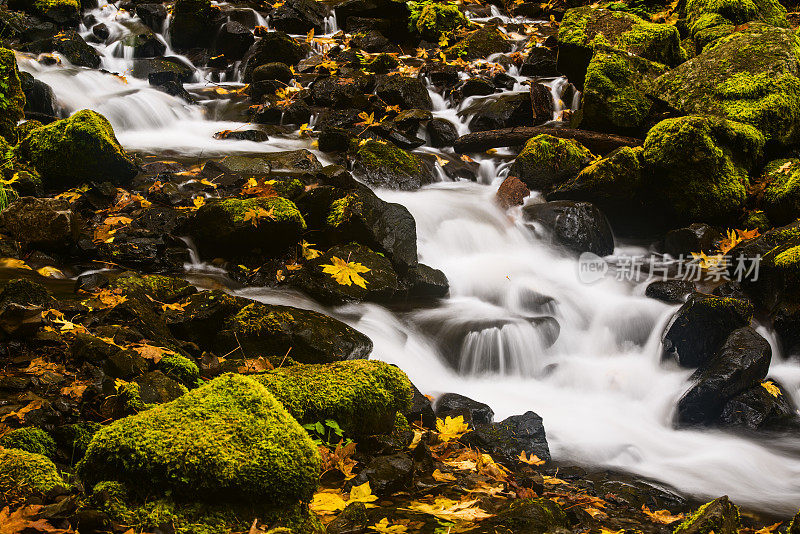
756,220
363,396
291,188
479,44
342,209
30,439
228,441
79,149
589,26
280,209
24,474
615,91
789,259
378,155
700,167
160,288
719,516
12,99
180,368
56,10
782,192
130,397
431,19
75,439
547,160
698,13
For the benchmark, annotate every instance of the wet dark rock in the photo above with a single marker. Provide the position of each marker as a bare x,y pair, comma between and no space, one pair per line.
578,226
22,302
337,92
740,364
542,104
476,87
233,40
193,24
101,31
481,43
174,88
503,111
473,412
374,42
152,15
334,139
409,120
535,516
759,409
719,515
541,62
273,71
670,291
512,192
365,24
60,13
352,520
698,237
547,161
701,326
381,280
157,388
271,48
386,165
39,97
408,93
505,441
386,474
395,15
421,411
297,113
144,42
257,136
162,69
41,222
426,282
298,17
125,364
441,74
69,44
442,133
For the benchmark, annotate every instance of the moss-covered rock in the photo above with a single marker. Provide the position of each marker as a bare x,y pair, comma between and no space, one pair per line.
79,149
615,92
546,161
12,99
479,44
386,165
719,516
431,19
192,24
707,19
781,200
73,440
362,396
25,474
532,515
65,12
30,439
749,76
380,281
238,226
164,289
698,168
179,368
306,336
229,441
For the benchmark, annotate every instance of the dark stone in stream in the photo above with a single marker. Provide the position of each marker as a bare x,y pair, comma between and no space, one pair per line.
421,412
273,47
540,62
40,222
176,89
578,226
336,92
374,42
332,139
698,237
442,133
720,516
760,408
408,93
352,520
273,71
233,40
298,17
165,68
701,326
152,15
475,87
542,104
193,24
670,291
503,111
101,31
505,441
243,135
740,364
69,44
473,412
426,282
512,192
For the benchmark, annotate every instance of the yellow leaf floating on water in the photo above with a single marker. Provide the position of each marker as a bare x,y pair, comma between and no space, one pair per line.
346,273
661,516
771,388
448,509
451,428
438,476
50,272
363,494
327,503
383,527
769,529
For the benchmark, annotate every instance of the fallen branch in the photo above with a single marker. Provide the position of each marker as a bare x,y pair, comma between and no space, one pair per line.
599,143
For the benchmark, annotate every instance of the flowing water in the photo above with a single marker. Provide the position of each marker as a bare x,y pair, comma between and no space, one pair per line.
604,393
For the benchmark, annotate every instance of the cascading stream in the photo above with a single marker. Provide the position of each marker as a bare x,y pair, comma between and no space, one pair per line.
521,329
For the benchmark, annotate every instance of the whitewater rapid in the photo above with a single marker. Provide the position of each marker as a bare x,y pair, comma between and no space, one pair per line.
604,393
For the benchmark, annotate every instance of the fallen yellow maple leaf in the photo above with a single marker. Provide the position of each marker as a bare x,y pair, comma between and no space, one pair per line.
346,273
451,428
532,459
438,476
326,502
445,508
363,494
771,388
383,527
661,516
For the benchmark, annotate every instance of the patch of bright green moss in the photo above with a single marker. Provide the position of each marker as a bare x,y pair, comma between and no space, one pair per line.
547,160
30,439
180,368
479,44
279,208
378,155
431,19
342,209
229,441
23,474
158,287
782,194
363,396
12,99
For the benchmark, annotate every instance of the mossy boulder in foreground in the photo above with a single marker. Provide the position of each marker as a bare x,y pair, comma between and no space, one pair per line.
385,165
431,19
25,474
229,441
707,19
12,99
65,12
749,77
82,148
546,160
363,396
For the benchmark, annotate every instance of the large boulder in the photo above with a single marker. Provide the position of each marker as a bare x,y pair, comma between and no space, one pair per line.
578,226
69,44
720,516
39,97
271,48
383,164
193,24
41,222
507,440
481,43
701,326
299,17
408,93
61,12
362,396
750,76
708,21
12,99
26,475
473,412
546,161
615,92
500,111
82,148
229,441
767,406
740,364
582,28
238,226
